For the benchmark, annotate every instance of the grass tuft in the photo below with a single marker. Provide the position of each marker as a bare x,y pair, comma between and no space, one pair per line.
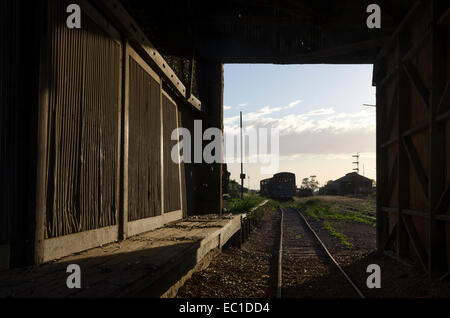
326,213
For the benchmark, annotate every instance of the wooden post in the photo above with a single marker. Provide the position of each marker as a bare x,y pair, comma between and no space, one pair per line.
123,211
41,165
120,126
211,93
403,107
437,263
382,217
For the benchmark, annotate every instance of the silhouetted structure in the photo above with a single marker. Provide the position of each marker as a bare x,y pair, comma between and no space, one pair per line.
280,186
351,183
225,178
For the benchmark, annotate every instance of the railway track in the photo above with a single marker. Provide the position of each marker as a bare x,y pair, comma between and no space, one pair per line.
303,258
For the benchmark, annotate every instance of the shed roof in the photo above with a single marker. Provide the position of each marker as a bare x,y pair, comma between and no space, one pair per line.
268,31
353,177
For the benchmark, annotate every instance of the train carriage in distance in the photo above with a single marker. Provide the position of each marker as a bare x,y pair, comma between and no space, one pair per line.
281,186
265,187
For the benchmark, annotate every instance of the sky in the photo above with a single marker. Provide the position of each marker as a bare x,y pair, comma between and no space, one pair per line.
318,110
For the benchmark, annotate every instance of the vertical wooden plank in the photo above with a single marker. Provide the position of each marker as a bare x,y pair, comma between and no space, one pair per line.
120,138
437,263
403,109
162,147
125,141
382,217
41,169
211,90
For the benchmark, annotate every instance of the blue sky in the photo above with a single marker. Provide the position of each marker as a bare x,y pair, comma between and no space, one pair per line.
318,110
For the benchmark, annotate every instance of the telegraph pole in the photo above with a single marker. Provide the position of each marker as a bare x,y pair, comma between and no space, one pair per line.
242,165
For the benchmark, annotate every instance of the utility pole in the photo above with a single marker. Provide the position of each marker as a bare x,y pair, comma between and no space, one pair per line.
242,165
356,162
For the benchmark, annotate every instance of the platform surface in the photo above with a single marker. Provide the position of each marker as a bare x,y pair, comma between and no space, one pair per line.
146,265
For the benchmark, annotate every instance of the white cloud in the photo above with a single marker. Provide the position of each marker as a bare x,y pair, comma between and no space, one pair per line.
244,104
225,107
294,103
320,131
321,111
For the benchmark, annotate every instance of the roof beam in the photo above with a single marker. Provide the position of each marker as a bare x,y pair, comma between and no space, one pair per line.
141,43
344,49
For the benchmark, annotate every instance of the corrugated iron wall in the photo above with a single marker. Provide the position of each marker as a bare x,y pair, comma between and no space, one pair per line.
61,97
144,163
84,88
172,200
412,77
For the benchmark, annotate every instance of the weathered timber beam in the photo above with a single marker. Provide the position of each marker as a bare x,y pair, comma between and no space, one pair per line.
418,168
389,240
445,276
392,178
191,76
390,118
444,200
343,50
415,242
445,17
445,98
437,249
416,213
443,117
415,78
442,217
419,45
416,129
389,142
387,209
393,39
130,29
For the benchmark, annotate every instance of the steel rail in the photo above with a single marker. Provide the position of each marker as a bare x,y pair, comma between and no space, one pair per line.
327,252
357,290
280,258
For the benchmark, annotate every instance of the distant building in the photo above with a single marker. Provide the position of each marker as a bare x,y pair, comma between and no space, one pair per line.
352,183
